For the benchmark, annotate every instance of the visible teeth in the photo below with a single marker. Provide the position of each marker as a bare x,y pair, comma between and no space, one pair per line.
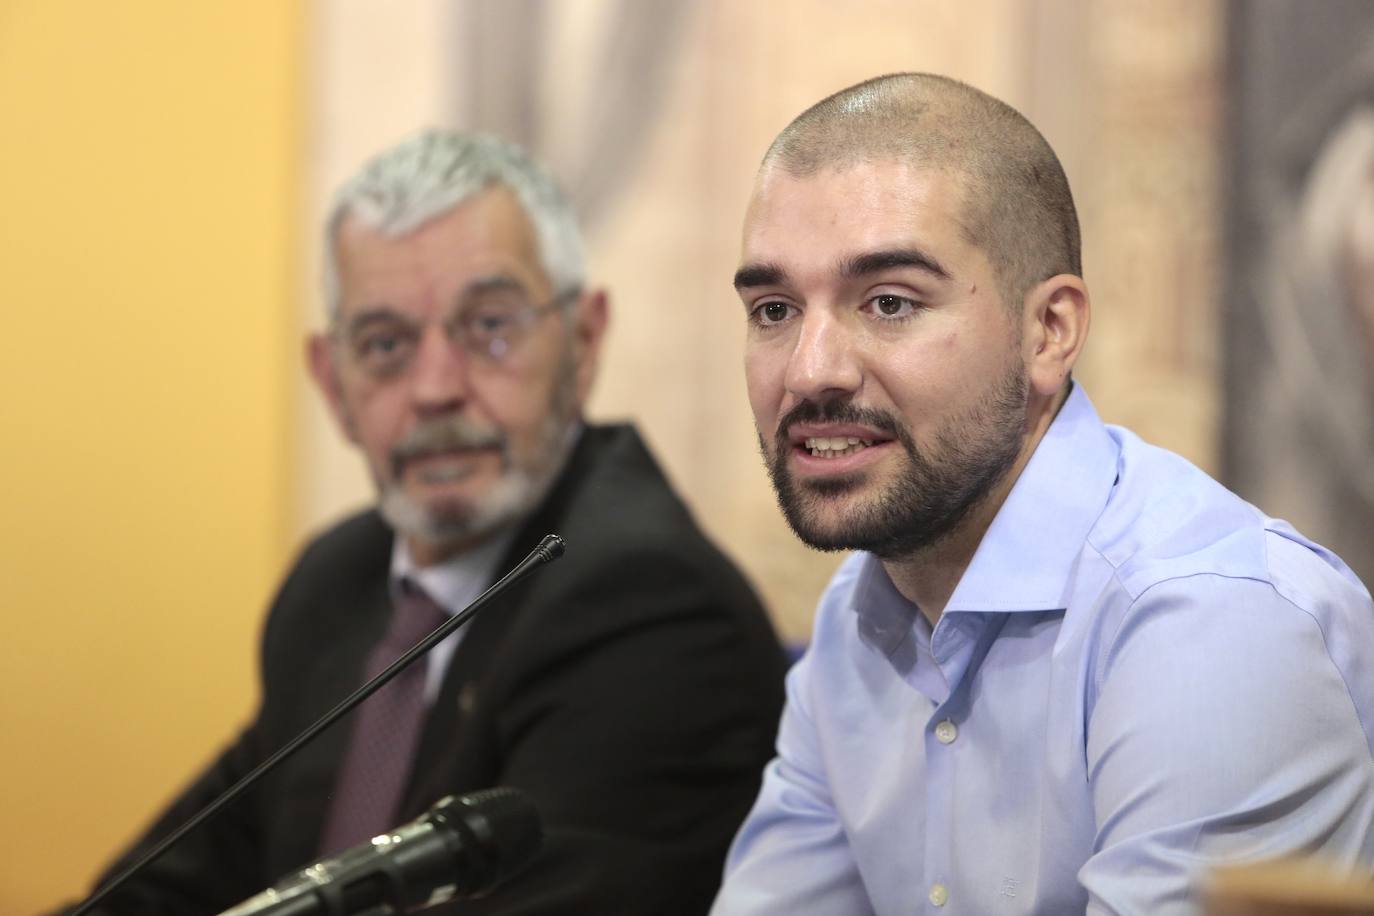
835,446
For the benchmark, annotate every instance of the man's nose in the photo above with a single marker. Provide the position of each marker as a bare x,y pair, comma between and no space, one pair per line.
439,375
824,363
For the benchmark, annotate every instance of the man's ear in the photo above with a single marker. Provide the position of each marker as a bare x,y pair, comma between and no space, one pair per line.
591,314
1056,315
322,359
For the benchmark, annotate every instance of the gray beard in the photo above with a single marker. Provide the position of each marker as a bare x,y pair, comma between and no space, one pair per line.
515,495
929,498
509,500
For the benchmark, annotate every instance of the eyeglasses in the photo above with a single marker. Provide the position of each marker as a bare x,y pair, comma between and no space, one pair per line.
383,342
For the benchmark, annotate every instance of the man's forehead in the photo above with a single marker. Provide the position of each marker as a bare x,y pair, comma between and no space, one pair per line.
850,209
485,240
884,175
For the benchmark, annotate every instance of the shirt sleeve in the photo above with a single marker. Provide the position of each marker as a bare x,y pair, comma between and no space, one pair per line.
1223,732
792,854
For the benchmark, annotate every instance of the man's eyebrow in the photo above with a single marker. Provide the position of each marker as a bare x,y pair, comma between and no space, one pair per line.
873,262
752,275
492,283
374,313
369,315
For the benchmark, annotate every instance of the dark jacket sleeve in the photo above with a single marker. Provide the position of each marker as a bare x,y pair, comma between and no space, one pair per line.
209,865
229,857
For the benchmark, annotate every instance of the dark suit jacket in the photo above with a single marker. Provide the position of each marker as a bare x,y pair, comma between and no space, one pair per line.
632,689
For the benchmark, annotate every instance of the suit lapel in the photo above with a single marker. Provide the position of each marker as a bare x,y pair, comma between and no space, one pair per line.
445,754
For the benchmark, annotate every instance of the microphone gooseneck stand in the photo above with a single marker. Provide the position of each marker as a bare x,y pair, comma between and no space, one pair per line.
549,549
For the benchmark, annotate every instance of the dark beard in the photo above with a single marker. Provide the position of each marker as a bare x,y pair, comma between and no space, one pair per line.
932,495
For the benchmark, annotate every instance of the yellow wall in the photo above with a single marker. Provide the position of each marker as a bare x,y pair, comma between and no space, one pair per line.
147,206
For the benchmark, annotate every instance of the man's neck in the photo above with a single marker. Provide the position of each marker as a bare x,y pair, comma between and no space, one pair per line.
928,577
431,553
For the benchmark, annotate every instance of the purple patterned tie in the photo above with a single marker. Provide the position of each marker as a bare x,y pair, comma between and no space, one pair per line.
386,731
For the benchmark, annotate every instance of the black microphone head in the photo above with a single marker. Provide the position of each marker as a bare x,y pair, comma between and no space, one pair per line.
502,828
551,548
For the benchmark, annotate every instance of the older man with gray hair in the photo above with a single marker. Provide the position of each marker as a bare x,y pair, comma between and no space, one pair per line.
632,690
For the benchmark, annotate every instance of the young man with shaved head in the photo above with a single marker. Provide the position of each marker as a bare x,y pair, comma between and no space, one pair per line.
1066,671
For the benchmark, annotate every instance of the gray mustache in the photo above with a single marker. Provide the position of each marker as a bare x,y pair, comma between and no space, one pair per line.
449,435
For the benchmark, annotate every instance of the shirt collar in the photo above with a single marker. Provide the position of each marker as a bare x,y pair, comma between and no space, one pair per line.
887,621
1026,559
454,583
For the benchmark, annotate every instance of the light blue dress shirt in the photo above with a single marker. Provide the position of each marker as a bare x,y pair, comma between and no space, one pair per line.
1139,676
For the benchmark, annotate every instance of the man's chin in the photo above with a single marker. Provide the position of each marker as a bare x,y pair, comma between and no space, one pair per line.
843,516
828,537
456,518
434,520
830,489
826,522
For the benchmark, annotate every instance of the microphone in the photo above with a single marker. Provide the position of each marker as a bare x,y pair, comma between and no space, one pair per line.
462,847
548,550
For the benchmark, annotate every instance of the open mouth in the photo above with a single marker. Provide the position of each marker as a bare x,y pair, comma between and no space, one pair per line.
833,441
835,446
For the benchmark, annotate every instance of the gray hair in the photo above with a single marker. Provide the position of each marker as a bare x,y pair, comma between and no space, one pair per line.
435,171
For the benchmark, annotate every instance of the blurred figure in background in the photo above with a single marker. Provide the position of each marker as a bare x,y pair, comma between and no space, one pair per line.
1067,671
1300,323
632,690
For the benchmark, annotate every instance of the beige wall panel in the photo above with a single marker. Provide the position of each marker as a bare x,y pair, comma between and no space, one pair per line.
675,358
1126,91
669,247
1149,198
377,72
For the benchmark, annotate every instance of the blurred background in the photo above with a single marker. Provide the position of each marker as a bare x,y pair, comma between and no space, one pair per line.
164,167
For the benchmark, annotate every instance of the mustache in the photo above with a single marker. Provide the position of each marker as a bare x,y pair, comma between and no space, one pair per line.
838,412
450,434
